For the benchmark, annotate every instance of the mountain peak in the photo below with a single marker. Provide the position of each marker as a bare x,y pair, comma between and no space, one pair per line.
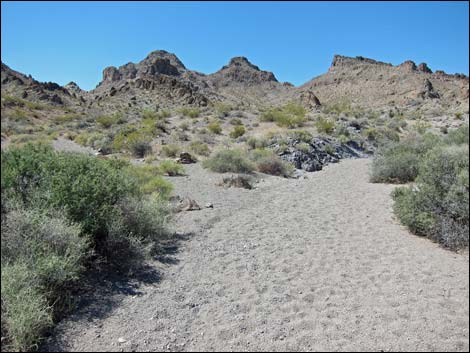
241,70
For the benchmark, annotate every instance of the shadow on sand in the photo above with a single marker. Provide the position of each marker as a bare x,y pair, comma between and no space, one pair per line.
103,288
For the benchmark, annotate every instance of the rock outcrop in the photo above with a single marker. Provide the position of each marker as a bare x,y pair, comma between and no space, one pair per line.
321,151
241,71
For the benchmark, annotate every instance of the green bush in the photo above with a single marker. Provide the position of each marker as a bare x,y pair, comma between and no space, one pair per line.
290,116
171,150
223,109
438,206
229,160
171,168
134,234
237,131
199,148
214,127
40,255
324,125
85,187
56,208
149,180
398,162
458,136
190,112
133,141
236,121
107,121
139,148
267,162
257,142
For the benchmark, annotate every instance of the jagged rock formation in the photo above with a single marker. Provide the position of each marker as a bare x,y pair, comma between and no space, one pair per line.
18,84
162,80
240,70
372,84
309,100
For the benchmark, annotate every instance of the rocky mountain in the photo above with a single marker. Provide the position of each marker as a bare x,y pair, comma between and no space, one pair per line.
19,85
161,80
370,83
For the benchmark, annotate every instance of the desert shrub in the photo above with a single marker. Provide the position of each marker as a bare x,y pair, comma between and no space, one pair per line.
344,139
267,162
398,162
40,255
303,146
237,131
458,136
86,138
171,150
200,148
236,121
139,147
223,109
148,114
257,142
131,140
324,125
184,126
371,134
107,121
190,112
229,160
295,109
56,208
163,114
329,149
214,127
388,134
171,168
149,180
301,135
66,118
290,116
458,115
438,206
85,187
134,234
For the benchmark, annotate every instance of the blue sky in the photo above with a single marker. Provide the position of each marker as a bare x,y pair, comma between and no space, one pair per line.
75,41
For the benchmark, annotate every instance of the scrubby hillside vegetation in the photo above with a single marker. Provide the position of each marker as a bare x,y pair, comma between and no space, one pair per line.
84,177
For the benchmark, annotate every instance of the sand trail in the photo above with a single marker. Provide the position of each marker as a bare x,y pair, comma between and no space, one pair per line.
295,264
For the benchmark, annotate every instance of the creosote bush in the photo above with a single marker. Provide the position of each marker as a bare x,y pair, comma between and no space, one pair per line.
438,205
57,208
238,130
171,168
291,115
398,162
267,162
229,160
325,125
214,127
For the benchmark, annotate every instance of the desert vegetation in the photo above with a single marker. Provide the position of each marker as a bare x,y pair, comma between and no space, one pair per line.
436,203
59,212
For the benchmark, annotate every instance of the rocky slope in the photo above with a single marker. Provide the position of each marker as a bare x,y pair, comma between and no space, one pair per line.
161,80
374,84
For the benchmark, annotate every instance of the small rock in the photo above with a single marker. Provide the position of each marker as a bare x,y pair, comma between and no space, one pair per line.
209,205
187,204
122,340
185,158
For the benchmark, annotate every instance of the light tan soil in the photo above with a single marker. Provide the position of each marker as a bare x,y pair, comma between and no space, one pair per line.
308,264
